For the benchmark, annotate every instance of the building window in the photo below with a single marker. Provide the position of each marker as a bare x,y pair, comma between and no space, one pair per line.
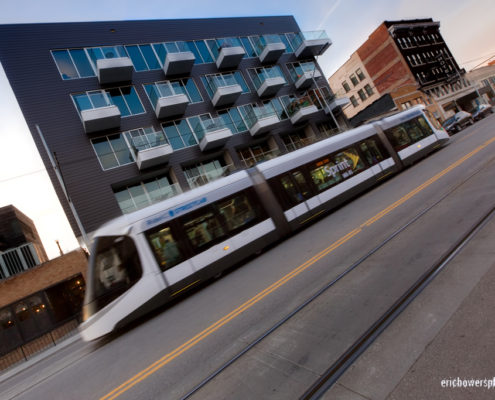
360,74
354,101
73,64
112,151
369,90
361,94
295,141
354,80
141,194
346,87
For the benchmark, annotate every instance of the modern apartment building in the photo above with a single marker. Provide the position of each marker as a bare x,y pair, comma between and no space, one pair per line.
127,113
403,63
20,244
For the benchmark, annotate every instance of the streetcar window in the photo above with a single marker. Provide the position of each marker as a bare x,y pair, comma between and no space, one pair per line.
414,130
398,137
371,151
431,118
349,162
114,268
203,229
236,212
166,248
425,127
325,174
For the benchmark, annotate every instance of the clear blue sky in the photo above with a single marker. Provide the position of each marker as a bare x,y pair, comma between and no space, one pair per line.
467,26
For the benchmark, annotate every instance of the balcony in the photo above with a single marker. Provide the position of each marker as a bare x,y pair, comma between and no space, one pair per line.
112,70
261,120
179,63
301,110
152,149
229,54
214,133
334,102
225,89
269,48
268,81
168,99
306,78
97,111
206,176
310,44
260,157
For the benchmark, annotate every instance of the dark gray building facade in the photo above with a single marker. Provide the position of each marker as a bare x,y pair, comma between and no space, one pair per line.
126,113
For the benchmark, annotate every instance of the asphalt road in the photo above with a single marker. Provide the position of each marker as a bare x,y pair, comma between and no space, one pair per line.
160,349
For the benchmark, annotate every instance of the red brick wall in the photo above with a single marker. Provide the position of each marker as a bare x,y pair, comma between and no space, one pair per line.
390,77
43,276
377,38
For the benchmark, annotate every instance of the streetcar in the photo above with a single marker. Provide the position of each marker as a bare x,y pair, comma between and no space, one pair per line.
144,259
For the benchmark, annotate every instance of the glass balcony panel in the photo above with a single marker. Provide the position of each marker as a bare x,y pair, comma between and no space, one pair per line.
205,174
260,119
260,157
214,132
152,149
269,48
301,109
311,43
179,59
228,52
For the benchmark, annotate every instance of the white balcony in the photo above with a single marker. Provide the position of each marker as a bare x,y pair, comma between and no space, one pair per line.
178,63
303,114
263,125
272,52
305,80
225,95
153,156
171,105
112,70
310,44
230,57
215,138
270,86
336,102
101,118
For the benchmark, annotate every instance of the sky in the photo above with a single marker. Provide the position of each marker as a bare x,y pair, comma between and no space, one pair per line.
466,25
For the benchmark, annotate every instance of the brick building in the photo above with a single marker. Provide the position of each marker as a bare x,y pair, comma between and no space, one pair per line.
402,63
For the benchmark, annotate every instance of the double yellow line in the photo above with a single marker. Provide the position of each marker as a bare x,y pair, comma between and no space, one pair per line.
166,359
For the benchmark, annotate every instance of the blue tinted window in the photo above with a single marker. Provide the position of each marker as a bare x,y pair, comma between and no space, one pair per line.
238,122
185,132
82,63
132,100
224,115
192,47
205,54
161,51
240,80
95,53
193,91
173,136
214,47
150,57
288,47
137,58
82,102
207,86
118,100
105,153
247,46
120,149
65,65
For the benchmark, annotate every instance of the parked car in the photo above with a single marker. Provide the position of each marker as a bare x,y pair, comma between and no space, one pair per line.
459,121
481,111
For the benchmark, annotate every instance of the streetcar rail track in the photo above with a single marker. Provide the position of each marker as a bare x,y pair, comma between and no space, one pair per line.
329,377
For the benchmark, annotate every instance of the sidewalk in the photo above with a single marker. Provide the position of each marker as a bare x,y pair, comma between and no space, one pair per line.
443,340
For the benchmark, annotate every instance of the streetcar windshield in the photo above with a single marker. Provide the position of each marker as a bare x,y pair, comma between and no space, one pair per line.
113,268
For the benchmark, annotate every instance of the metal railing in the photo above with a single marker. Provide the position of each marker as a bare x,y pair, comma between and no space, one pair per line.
205,177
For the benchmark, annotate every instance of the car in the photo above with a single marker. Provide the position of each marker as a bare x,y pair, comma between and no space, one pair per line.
482,111
457,122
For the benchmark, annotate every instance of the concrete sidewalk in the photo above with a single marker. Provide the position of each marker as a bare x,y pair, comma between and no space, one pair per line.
443,340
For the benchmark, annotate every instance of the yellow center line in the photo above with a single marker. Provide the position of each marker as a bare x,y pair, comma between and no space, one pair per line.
139,377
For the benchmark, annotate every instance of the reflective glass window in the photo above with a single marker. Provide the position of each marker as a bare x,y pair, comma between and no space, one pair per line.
371,151
250,52
203,229
186,133
398,137
120,148
240,80
237,119
125,201
150,57
118,100
82,63
193,91
132,100
139,196
203,49
166,248
173,136
65,64
192,47
236,212
161,51
105,153
137,58
82,102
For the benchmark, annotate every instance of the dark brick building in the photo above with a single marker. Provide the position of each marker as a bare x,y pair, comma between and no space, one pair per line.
132,112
